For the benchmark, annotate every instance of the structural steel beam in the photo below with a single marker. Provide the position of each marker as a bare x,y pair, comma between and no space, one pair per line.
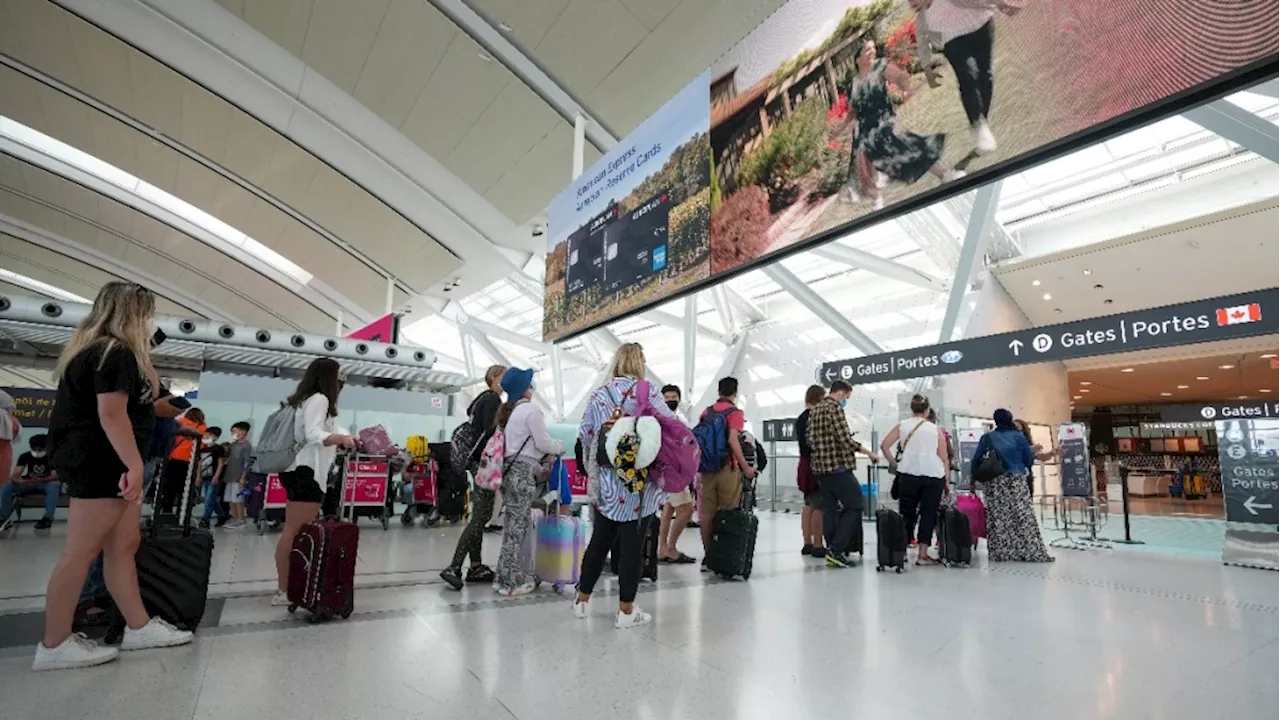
613,342
975,241
666,319
516,338
498,356
750,310
816,305
862,260
1239,126
721,303
732,355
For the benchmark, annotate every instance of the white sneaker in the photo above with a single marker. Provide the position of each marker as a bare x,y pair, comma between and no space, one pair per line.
76,651
523,589
280,599
879,203
882,181
637,618
6,524
950,175
984,143
579,608
155,634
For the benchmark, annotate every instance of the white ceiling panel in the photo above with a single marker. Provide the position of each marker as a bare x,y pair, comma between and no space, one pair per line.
602,30
411,41
340,36
284,21
460,87
494,143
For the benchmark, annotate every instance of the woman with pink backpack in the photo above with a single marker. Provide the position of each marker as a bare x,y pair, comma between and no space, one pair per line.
637,452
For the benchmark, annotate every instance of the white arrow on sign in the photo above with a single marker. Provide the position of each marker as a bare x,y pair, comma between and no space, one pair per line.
1250,505
1015,346
830,374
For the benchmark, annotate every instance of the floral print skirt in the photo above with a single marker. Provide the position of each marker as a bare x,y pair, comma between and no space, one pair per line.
1013,534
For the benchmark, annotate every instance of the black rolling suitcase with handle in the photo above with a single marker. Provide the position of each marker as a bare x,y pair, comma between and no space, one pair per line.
733,538
891,541
173,563
955,542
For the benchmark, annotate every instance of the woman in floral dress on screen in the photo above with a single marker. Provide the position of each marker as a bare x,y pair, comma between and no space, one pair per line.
901,155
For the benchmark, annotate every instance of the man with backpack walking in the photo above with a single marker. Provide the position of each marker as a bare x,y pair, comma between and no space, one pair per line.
724,465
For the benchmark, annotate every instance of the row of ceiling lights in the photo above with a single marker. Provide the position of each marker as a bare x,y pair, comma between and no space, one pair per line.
1084,384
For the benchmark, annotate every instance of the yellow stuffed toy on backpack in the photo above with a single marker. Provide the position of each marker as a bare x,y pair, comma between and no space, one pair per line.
418,448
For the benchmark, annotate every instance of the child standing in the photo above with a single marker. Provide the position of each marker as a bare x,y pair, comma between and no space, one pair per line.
239,454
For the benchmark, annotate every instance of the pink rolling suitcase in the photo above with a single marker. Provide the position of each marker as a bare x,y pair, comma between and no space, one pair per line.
971,505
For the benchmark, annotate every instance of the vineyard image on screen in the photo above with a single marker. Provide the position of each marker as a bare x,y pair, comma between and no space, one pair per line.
832,110
636,225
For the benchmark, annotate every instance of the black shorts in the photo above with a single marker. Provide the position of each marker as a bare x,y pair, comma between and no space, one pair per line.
300,485
93,483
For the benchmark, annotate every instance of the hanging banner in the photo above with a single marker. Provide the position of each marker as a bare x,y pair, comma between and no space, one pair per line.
1074,471
385,329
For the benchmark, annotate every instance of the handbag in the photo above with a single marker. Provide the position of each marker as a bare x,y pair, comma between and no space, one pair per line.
991,467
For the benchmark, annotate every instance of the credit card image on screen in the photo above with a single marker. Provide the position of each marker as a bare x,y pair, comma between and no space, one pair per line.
586,255
636,244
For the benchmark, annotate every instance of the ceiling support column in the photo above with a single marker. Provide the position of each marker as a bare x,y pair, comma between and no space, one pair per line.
816,305
975,241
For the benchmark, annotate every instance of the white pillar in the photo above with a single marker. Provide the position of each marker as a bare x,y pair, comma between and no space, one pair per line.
579,143
391,295
337,328
690,345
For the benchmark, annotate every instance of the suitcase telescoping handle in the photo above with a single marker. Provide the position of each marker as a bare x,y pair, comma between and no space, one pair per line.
193,469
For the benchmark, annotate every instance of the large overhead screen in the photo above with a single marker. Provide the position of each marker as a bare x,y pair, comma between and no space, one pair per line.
833,114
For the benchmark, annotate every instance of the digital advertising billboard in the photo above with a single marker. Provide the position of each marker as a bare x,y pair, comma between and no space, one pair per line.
835,114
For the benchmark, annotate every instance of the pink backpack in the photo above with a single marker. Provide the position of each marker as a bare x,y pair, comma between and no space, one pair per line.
678,456
489,471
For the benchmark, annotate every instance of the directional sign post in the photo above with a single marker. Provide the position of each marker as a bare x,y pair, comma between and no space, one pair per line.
783,430
1074,475
966,445
1244,315
1250,481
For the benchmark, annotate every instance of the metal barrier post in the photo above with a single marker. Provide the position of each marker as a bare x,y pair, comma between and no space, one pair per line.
1124,504
773,476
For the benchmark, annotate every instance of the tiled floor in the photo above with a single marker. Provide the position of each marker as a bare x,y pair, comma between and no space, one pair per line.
1096,635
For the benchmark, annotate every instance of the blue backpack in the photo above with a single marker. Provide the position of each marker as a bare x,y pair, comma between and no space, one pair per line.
712,434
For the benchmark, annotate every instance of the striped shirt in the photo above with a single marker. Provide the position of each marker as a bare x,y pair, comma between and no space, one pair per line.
611,498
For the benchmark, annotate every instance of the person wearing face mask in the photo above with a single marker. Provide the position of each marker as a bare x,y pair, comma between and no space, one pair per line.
833,460
239,455
527,443
678,509
189,427
213,459
33,474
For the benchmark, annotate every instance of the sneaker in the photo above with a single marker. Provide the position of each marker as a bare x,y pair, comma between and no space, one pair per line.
807,549
44,523
579,608
155,634
280,599
453,577
950,175
5,524
76,651
882,180
984,143
481,574
879,203
522,589
637,618
837,560
222,522
818,551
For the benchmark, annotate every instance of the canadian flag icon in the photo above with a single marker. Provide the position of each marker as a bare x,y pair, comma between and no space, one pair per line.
1240,314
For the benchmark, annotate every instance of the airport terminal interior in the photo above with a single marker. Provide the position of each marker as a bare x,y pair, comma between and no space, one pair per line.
891,196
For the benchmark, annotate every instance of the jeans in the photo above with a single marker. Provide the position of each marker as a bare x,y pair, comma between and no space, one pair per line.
918,499
970,57
95,583
603,533
212,501
11,490
842,508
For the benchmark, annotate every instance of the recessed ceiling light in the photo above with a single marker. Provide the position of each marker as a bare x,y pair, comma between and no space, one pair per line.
1183,387
504,27
1243,397
1264,390
1047,296
1077,397
1085,382
1166,394
1202,377
1084,389
1225,367
1035,283
1057,311
1268,356
1107,302
485,57
1087,271
1127,370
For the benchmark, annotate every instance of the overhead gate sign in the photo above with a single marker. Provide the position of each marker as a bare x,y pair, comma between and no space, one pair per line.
1230,317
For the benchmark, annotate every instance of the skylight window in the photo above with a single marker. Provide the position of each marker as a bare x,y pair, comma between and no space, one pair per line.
34,285
87,163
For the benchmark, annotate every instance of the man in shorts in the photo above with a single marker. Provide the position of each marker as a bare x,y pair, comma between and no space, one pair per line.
678,510
722,489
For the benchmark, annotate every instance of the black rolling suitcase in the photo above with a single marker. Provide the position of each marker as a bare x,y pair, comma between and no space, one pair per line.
733,538
891,541
955,542
173,563
648,548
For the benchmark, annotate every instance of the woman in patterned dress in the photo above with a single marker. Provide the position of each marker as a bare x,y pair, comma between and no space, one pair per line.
1013,534
901,155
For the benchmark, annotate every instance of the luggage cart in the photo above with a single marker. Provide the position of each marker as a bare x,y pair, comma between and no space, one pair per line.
366,482
421,478
271,512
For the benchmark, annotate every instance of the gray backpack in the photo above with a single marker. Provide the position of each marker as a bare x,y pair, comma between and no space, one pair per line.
278,445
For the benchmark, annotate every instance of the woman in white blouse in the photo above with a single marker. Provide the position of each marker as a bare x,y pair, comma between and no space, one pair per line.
527,443
315,425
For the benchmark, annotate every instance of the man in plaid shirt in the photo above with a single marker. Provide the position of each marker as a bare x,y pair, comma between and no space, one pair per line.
832,463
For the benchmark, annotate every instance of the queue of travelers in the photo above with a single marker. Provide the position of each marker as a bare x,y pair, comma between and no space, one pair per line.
102,443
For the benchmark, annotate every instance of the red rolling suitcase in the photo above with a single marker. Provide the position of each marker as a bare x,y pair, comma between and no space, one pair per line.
322,566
